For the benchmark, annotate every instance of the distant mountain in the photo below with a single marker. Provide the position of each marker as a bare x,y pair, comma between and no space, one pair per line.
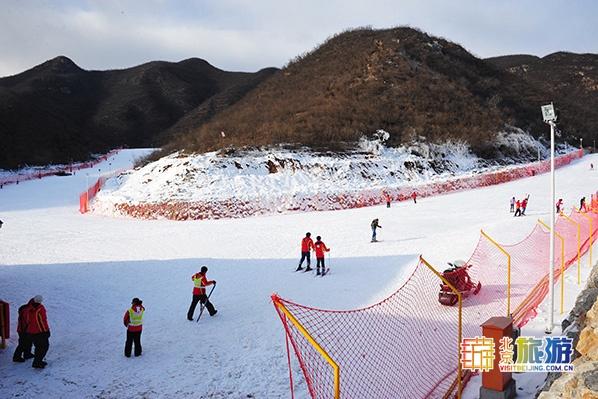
57,112
402,80
571,81
415,86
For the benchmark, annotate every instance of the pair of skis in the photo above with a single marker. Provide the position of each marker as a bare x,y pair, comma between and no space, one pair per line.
324,272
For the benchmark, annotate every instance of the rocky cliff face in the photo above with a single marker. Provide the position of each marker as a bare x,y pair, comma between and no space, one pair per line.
582,325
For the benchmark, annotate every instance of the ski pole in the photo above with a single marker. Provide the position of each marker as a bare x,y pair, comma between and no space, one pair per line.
202,306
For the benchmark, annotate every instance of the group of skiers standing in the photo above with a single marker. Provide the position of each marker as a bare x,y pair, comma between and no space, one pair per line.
307,245
519,206
34,331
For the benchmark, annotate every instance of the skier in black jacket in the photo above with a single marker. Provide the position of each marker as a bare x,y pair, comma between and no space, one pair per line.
374,226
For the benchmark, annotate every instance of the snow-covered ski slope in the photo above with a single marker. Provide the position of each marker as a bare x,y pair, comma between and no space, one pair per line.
88,267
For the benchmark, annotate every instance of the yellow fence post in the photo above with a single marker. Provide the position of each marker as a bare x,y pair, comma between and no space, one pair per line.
591,234
460,325
578,246
501,249
317,347
560,237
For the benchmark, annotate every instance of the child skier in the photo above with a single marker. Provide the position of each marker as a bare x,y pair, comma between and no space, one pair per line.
320,248
512,205
374,226
559,204
414,196
307,244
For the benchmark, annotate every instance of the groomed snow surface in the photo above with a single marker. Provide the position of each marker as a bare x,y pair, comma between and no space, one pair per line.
88,267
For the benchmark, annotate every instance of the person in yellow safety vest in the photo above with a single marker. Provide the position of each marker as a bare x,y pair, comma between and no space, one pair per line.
200,281
133,320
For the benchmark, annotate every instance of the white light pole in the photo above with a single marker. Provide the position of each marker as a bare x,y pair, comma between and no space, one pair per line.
550,118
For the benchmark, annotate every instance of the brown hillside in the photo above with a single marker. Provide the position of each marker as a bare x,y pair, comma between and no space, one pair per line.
400,80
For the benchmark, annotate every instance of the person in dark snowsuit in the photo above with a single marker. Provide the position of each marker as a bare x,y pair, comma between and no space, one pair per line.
559,204
582,205
320,248
23,350
200,281
307,244
374,226
512,205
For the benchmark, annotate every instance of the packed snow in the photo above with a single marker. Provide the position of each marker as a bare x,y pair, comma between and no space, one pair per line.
88,267
280,176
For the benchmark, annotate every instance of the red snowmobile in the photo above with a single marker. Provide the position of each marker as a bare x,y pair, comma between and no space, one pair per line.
459,278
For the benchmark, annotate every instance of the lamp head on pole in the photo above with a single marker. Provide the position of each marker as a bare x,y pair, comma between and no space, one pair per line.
548,113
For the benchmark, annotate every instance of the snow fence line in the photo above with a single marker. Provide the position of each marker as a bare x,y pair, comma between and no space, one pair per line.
407,345
235,208
88,195
50,171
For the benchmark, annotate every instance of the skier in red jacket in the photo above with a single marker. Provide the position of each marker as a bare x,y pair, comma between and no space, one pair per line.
39,331
320,249
200,281
133,320
387,198
414,196
307,244
524,205
517,208
23,350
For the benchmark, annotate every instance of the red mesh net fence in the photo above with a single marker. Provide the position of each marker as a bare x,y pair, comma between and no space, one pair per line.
406,345
396,348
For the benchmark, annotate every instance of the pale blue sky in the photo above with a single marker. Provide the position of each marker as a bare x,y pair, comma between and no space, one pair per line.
248,35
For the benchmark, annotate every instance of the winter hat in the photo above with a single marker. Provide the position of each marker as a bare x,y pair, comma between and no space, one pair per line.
318,238
136,301
38,299
204,269
308,234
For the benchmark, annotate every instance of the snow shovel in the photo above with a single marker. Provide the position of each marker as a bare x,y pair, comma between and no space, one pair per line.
202,306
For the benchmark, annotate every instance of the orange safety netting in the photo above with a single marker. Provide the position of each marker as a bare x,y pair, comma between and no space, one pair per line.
405,346
53,170
88,195
396,348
